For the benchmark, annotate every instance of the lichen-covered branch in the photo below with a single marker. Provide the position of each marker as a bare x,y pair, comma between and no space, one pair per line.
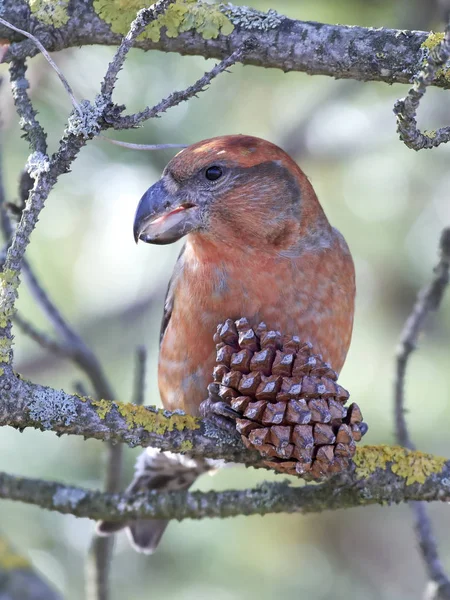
25,404
361,53
373,481
18,580
138,24
406,108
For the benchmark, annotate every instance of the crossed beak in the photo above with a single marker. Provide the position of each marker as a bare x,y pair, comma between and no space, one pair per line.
161,219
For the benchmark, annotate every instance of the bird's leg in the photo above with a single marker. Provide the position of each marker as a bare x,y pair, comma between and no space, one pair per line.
218,411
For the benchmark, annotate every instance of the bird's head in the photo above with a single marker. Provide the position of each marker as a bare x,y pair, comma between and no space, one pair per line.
227,189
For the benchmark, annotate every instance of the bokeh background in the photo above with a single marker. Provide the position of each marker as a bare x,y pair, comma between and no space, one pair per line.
391,204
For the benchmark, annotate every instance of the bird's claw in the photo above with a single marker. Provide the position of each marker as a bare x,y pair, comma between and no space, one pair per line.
218,411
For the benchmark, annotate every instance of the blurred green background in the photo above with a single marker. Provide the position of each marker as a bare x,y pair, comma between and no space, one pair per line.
390,203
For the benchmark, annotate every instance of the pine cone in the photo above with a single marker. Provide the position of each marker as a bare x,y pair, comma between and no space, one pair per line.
290,407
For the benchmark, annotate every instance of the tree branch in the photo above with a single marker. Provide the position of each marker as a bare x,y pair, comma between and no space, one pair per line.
131,121
406,108
26,404
366,485
142,19
362,53
48,58
139,375
428,300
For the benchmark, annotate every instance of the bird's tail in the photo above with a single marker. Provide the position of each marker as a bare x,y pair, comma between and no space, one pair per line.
155,470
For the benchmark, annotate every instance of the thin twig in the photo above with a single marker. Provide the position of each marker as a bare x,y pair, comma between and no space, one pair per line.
39,164
406,108
176,98
49,59
132,146
34,133
139,376
428,300
143,18
80,388
42,338
74,346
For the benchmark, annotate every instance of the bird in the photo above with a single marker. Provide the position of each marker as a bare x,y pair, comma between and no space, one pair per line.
259,245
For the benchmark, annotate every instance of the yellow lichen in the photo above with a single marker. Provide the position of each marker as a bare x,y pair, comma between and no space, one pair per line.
413,466
432,40
9,559
186,446
103,407
5,347
50,12
9,282
155,421
182,15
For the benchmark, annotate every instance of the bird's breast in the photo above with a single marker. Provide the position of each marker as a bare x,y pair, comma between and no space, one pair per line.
311,296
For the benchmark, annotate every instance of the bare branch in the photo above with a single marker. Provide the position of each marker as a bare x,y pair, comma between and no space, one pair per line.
48,58
428,300
140,372
176,98
72,345
42,338
406,108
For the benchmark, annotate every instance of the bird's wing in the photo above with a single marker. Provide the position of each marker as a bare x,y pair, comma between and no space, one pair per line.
168,302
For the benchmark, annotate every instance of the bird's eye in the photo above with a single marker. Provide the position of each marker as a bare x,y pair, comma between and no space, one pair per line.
213,173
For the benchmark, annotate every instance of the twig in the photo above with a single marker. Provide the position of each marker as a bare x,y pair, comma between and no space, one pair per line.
406,108
42,338
176,98
72,345
80,388
38,163
143,18
132,146
139,376
49,59
378,485
34,133
428,300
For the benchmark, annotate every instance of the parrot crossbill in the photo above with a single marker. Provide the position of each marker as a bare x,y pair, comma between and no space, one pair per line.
258,245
